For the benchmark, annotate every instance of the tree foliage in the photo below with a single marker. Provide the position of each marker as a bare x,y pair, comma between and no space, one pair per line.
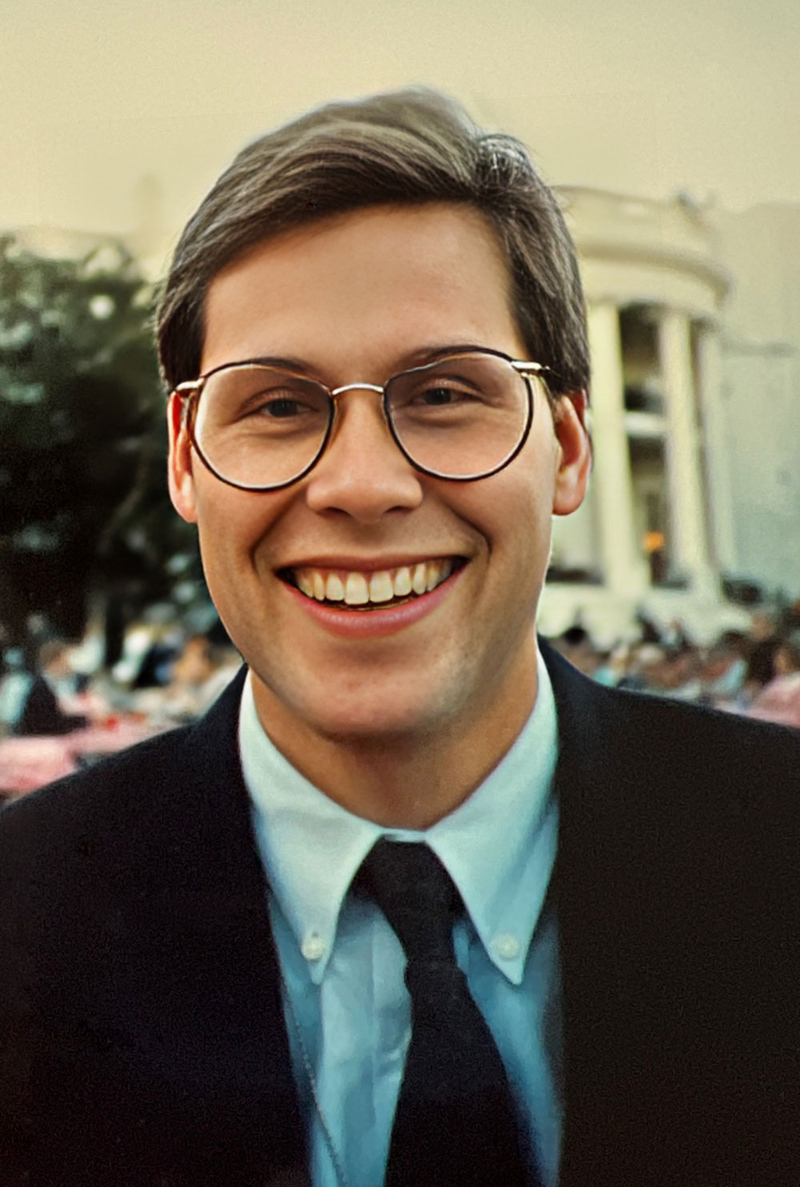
83,502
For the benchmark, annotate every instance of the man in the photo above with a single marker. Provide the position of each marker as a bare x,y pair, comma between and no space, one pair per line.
231,955
41,711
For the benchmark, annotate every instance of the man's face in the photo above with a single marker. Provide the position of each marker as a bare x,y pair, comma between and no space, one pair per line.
359,297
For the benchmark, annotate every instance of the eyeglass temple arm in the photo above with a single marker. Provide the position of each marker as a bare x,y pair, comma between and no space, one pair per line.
531,368
185,389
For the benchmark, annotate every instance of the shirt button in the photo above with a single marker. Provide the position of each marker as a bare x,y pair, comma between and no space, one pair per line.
313,946
506,946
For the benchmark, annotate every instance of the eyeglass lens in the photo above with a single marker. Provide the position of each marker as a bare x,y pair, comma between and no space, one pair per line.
461,417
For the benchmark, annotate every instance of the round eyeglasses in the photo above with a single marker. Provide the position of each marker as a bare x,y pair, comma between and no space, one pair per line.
462,417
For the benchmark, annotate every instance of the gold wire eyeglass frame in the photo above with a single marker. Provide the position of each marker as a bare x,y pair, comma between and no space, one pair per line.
191,390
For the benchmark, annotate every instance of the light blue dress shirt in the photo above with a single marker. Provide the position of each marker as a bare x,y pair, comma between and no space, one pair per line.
346,1006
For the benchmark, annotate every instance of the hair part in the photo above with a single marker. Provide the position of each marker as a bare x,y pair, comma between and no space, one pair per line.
407,147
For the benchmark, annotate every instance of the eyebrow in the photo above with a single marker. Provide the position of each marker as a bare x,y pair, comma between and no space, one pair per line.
280,362
416,358
429,354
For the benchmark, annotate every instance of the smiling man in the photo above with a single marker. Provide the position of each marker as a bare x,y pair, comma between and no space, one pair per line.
387,614
415,903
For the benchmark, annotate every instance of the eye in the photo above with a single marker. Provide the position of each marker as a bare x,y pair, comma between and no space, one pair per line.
284,401
283,407
441,394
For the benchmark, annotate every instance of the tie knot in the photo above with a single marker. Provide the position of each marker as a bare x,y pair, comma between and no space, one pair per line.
416,894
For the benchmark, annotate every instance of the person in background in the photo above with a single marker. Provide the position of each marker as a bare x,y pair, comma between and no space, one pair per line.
199,674
724,671
43,711
779,700
764,641
15,684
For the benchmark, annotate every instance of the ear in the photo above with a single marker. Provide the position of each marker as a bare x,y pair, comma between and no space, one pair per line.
179,466
574,452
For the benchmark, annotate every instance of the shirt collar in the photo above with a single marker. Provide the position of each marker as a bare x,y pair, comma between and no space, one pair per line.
498,846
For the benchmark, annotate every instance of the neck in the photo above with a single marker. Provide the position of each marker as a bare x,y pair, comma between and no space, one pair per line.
404,780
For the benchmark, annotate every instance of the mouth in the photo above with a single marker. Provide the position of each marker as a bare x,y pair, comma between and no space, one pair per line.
366,590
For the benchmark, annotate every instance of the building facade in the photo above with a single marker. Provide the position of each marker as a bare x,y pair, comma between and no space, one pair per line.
656,533
761,390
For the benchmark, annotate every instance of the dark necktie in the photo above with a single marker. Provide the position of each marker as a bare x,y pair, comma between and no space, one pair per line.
454,1125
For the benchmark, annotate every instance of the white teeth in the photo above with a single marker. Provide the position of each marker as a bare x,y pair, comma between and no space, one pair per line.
434,575
334,590
402,582
356,590
419,579
380,587
376,586
305,585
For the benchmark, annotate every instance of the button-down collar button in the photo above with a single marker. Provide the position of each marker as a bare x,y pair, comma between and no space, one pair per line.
505,946
313,946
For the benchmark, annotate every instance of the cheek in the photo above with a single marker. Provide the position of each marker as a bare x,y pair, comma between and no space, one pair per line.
513,511
231,525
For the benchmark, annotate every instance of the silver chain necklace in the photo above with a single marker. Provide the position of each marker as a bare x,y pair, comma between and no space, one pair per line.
336,1162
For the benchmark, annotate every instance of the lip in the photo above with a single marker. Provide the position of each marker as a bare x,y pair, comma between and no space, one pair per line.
374,624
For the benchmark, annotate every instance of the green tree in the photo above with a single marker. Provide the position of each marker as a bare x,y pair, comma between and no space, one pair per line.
83,500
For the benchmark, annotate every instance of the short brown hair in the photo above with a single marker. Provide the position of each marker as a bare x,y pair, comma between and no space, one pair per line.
405,147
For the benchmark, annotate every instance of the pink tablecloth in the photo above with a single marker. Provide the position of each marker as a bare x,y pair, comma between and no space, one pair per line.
779,701
28,763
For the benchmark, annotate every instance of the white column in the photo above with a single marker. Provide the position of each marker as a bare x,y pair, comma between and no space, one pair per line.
688,515
718,451
623,563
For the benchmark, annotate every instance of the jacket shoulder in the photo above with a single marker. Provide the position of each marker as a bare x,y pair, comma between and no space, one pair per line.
106,795
126,802
648,741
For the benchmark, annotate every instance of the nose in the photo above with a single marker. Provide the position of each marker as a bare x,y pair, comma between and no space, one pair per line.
362,473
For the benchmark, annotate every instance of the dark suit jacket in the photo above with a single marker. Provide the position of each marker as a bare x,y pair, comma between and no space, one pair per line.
141,1031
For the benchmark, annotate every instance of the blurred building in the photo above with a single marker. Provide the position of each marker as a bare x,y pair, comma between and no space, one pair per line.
149,241
761,390
681,511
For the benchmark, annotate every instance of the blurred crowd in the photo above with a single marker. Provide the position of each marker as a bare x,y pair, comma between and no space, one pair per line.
164,678
754,672
61,707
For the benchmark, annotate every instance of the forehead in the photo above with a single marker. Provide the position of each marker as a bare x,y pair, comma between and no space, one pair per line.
384,274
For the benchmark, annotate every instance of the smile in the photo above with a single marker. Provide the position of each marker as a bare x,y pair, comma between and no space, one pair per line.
366,590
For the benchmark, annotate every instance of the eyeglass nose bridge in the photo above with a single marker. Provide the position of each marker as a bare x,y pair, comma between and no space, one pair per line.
362,387
387,420
358,387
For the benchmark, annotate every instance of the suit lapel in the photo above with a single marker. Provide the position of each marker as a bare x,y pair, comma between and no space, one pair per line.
214,895
595,880
642,969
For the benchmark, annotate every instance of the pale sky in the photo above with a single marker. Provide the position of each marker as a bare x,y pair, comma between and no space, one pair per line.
638,96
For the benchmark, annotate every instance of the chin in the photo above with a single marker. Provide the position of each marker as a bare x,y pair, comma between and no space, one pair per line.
369,725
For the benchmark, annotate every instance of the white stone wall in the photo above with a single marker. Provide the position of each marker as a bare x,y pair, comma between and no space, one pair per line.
760,384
